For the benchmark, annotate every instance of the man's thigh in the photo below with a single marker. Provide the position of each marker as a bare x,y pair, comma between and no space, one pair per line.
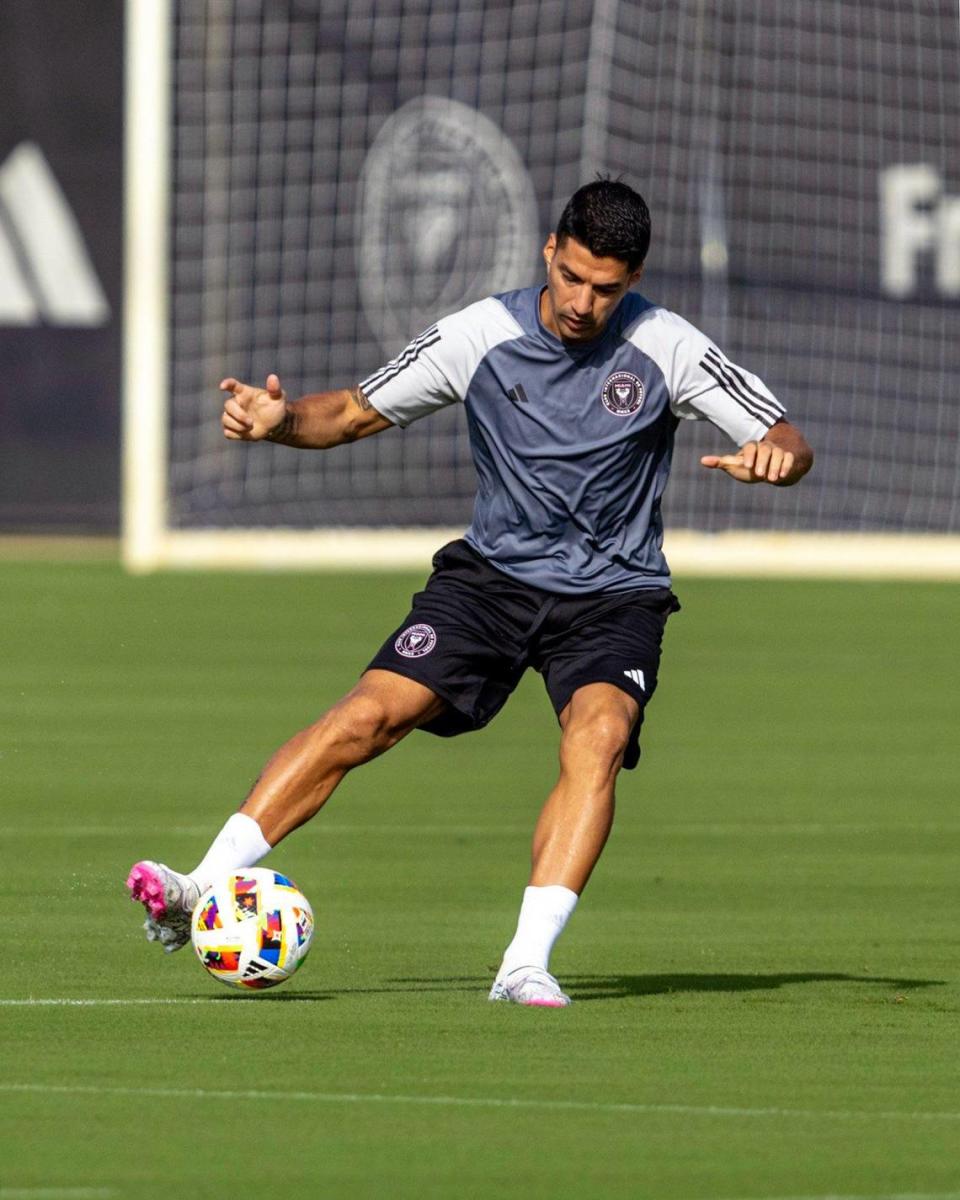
403,704
463,639
618,644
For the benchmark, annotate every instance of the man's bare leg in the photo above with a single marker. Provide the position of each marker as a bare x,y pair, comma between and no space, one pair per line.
298,780
294,785
570,834
576,819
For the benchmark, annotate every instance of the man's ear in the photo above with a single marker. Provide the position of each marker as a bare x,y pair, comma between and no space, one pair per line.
550,249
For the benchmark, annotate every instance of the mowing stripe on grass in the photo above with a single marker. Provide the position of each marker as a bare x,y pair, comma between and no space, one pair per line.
599,1106
694,829
111,831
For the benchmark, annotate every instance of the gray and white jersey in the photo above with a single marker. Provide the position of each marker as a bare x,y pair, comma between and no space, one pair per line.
572,442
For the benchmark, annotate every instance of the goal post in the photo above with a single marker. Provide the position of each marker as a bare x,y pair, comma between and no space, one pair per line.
146,343
309,186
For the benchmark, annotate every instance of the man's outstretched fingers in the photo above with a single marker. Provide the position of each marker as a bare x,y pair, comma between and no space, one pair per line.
717,460
730,463
235,419
761,461
787,465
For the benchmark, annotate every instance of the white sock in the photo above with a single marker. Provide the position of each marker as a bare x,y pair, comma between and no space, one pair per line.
543,914
239,843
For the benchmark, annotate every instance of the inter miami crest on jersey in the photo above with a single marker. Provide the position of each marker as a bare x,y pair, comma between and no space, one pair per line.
622,394
572,443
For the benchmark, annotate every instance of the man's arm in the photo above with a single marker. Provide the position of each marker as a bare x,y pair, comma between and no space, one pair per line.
314,422
782,457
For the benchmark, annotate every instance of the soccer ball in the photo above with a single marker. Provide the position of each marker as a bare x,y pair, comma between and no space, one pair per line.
252,929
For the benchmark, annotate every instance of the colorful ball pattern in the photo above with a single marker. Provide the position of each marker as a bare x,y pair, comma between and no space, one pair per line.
252,928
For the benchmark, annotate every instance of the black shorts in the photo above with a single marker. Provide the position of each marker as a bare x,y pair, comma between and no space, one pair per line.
473,631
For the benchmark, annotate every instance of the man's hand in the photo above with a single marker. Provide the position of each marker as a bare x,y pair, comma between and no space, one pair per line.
781,458
756,462
251,413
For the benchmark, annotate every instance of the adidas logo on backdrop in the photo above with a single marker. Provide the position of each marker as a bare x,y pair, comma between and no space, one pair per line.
46,276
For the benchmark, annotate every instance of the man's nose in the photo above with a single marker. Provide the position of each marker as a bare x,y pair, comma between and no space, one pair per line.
583,300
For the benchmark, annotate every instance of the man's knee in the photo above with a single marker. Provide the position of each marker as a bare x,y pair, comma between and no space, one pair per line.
358,728
597,728
600,738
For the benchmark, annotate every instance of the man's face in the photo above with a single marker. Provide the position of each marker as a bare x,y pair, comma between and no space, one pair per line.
582,290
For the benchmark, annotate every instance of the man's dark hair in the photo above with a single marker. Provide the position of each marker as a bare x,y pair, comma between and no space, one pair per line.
610,219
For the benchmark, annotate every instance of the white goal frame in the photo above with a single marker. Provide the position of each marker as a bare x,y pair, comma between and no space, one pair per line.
148,542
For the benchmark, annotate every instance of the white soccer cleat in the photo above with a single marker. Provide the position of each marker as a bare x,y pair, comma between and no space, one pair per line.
169,898
532,986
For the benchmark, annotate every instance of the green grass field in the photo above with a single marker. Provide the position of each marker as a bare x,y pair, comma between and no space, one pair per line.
764,968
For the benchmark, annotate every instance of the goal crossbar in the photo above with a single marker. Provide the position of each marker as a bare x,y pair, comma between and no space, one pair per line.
760,555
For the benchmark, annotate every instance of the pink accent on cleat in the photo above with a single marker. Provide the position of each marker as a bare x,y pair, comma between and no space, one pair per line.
168,898
146,886
533,987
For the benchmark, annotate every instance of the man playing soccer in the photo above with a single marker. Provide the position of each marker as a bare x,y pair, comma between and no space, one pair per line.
573,393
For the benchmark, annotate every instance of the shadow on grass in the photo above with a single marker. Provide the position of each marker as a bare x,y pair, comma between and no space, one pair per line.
618,987
585,988
263,995
610,987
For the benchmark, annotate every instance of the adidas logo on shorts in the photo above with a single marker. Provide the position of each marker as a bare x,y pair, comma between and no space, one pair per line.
637,676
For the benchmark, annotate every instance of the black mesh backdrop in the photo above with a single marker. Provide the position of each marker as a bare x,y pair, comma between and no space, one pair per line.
344,174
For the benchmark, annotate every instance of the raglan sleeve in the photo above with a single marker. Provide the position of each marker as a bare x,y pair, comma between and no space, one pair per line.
425,376
706,386
417,382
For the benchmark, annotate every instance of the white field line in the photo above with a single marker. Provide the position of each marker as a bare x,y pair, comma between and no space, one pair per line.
875,1196
56,1193
474,1102
67,1002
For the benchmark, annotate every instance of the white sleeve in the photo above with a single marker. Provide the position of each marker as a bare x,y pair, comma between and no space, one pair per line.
436,368
414,383
706,385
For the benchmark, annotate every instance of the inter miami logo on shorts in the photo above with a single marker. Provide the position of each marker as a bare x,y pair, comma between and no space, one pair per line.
622,394
416,641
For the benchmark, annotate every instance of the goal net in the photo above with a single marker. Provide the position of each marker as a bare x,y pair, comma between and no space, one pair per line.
335,176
